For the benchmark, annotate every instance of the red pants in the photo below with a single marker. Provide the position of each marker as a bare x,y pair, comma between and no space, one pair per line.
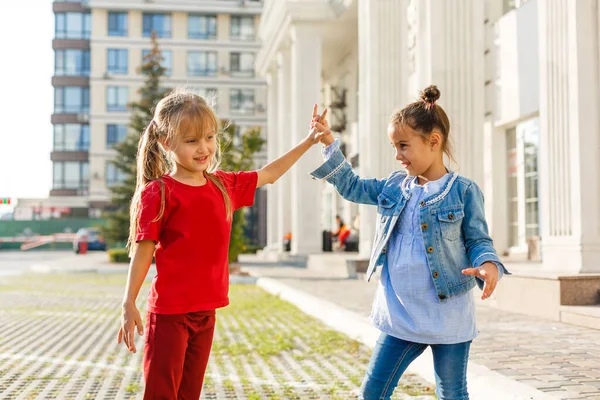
176,354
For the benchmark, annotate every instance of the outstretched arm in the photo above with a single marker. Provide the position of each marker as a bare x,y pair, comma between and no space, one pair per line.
271,172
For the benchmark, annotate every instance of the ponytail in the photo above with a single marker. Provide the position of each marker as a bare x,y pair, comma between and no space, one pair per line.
151,166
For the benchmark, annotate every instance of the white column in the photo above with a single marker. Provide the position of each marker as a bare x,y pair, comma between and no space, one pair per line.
382,76
495,183
570,135
306,91
284,143
448,50
273,240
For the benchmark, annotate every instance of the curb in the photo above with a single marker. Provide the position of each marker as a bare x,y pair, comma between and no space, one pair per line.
484,384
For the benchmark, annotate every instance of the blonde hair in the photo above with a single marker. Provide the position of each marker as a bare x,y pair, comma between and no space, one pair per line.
152,160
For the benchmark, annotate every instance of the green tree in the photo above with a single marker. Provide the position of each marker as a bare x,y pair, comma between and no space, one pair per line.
116,229
238,152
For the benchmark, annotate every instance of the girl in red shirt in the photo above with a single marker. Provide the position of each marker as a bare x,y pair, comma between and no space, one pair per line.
181,215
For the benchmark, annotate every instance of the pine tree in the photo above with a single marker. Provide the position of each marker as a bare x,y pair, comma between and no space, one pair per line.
116,229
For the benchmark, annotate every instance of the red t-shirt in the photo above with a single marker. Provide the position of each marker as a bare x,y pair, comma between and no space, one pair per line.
193,240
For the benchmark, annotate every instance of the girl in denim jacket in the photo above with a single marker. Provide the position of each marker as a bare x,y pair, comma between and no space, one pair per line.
432,245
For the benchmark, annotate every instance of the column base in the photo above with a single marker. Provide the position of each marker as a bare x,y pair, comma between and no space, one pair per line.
570,258
532,290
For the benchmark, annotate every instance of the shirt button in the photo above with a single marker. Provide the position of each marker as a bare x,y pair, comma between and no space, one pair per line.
424,227
435,274
442,296
450,216
384,250
430,249
422,203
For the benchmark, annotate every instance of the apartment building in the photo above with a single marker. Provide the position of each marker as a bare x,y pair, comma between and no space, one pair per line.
209,46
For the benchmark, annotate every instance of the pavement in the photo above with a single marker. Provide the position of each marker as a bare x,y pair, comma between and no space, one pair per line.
58,324
514,357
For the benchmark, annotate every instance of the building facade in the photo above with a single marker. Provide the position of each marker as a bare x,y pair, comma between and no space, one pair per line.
208,47
519,81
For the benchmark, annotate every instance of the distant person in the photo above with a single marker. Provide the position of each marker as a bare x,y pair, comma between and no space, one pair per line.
430,227
185,214
342,232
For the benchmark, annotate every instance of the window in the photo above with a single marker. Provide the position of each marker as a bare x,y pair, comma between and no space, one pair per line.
242,64
167,62
113,174
117,98
523,150
115,134
71,100
513,187
242,28
117,60
72,62
159,23
202,63
242,100
117,24
531,147
202,27
71,137
72,25
71,175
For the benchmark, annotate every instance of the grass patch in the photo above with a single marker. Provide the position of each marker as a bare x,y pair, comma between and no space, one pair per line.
263,346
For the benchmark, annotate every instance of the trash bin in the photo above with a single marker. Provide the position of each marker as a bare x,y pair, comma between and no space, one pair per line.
327,242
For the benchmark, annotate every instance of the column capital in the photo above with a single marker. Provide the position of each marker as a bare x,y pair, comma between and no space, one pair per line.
283,57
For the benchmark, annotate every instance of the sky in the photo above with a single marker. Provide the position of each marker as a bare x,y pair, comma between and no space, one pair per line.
26,98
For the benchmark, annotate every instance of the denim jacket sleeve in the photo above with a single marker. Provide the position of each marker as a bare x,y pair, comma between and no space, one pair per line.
479,245
337,171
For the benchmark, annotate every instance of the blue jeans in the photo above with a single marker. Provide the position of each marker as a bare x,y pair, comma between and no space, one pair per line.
392,356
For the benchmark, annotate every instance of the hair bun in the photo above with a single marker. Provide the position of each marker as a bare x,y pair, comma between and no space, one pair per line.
430,94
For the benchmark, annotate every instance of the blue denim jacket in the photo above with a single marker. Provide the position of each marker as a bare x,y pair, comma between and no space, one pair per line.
453,225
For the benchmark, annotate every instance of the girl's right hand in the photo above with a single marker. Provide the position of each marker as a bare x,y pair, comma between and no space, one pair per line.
319,122
130,319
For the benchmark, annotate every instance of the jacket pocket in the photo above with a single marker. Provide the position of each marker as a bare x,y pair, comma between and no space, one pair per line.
386,204
451,221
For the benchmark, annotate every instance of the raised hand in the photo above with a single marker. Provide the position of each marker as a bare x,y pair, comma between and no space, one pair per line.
319,122
489,273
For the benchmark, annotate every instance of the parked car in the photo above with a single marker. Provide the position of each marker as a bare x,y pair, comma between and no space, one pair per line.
92,236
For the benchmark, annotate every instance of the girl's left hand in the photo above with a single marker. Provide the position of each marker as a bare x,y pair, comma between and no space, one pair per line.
488,271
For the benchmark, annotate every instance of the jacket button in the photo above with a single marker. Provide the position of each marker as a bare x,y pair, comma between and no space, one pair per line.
422,203
384,201
424,227
430,249
450,216
436,274
442,296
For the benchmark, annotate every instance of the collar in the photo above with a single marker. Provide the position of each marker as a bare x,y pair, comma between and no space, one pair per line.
408,181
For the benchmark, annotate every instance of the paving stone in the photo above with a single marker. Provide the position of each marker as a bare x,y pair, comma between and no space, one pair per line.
58,341
533,347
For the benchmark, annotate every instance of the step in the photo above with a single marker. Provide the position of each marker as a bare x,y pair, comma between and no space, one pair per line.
586,316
